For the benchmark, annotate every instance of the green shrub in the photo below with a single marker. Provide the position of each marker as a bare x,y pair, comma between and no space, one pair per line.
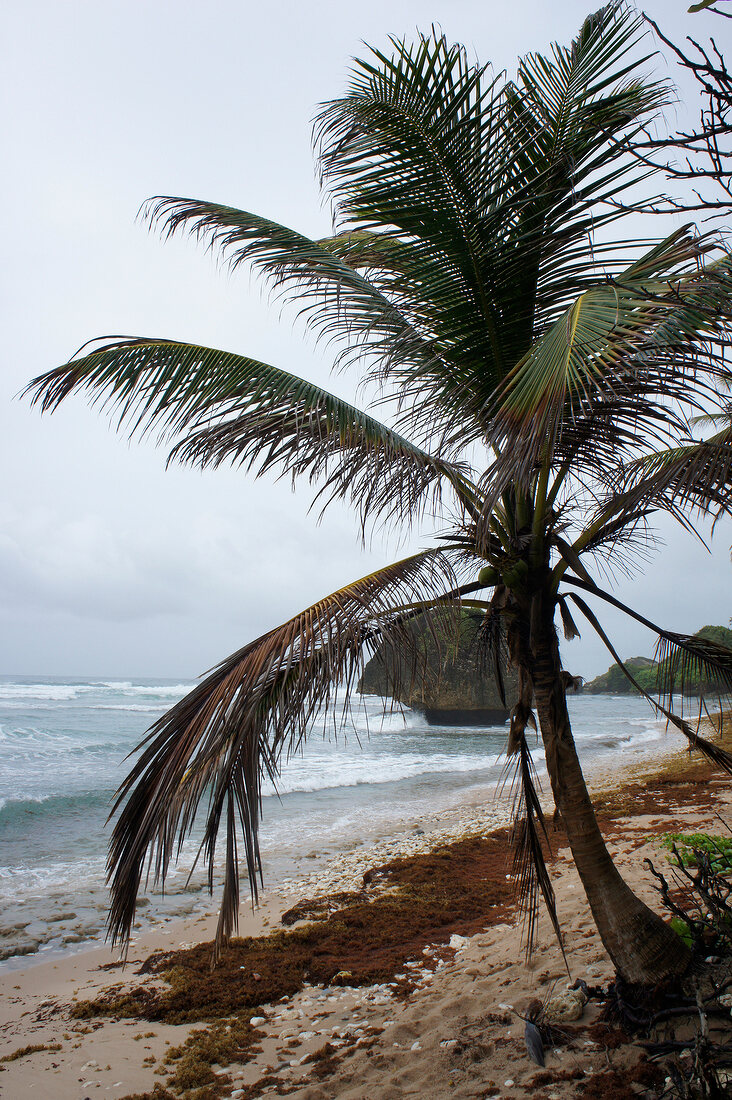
717,848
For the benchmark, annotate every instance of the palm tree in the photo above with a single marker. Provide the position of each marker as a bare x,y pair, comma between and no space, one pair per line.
540,378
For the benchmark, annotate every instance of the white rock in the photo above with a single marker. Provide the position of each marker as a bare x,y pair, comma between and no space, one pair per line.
416,1045
565,1006
509,1083
257,1020
457,941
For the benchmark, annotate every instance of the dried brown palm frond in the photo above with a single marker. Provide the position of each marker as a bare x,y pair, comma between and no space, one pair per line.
492,653
528,836
222,740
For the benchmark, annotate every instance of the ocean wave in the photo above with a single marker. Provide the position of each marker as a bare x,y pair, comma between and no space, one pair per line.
14,808
163,690
142,708
11,691
331,774
55,744
305,776
53,692
17,882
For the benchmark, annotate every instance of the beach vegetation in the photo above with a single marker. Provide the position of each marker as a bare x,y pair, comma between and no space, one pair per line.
699,897
546,383
717,849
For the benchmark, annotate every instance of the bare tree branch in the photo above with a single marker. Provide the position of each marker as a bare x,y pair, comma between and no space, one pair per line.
702,154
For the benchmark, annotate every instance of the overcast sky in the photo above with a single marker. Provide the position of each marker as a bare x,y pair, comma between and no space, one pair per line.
109,564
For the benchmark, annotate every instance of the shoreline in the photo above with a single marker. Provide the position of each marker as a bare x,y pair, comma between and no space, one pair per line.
480,810
37,992
475,810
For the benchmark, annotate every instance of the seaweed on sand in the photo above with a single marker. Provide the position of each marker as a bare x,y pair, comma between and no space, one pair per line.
404,906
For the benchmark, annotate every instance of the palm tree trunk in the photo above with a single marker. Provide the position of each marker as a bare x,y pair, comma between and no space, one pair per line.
642,947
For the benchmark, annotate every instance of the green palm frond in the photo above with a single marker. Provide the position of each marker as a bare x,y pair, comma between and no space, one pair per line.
467,200
229,734
213,406
578,108
493,181
696,477
366,251
616,371
334,298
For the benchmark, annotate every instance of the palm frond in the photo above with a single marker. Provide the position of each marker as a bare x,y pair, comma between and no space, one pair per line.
579,107
215,407
219,743
529,862
466,199
691,655
619,545
331,294
568,624
624,351
491,648
704,660
690,661
695,477
484,192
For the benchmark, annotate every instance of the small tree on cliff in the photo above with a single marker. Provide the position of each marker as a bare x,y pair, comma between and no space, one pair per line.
541,378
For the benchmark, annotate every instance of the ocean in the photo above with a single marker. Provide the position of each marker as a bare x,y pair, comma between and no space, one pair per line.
65,747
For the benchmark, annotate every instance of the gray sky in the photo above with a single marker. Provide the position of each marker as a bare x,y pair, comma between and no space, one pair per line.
109,564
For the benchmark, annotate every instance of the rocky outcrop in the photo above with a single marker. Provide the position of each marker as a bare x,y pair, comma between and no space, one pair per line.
441,676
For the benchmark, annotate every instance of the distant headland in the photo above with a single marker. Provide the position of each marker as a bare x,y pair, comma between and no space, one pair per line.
650,673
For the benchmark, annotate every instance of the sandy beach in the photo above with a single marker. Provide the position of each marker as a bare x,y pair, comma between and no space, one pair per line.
433,1014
